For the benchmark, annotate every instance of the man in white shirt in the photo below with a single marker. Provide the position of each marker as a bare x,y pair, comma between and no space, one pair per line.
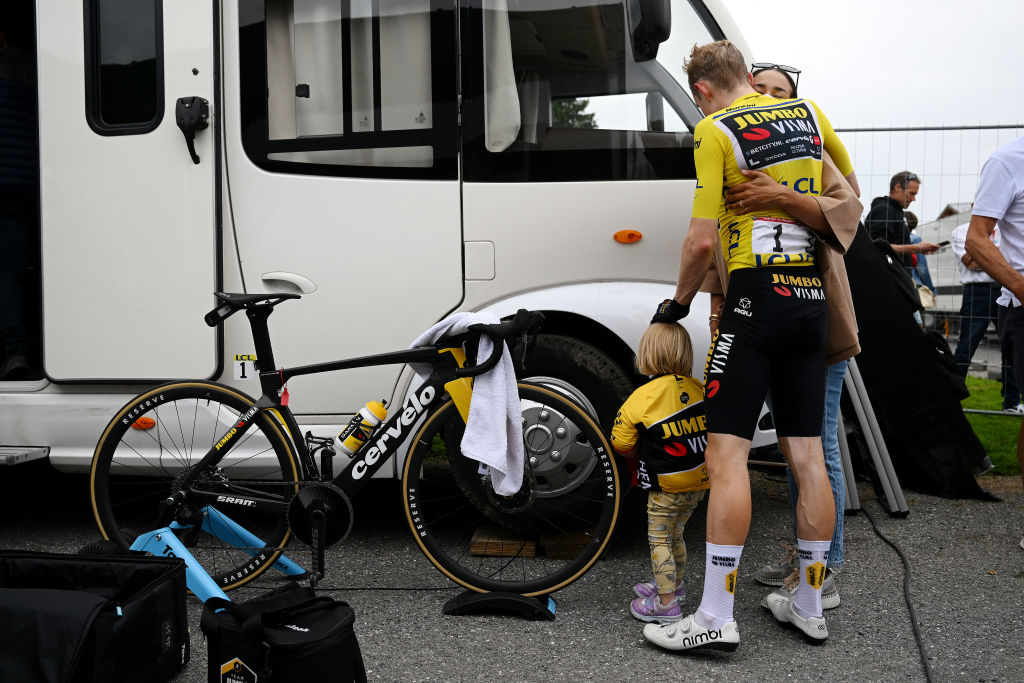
1000,202
978,308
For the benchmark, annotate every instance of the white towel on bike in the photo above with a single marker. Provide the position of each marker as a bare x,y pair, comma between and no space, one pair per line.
494,431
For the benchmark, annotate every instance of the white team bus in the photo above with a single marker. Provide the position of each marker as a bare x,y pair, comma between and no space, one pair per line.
393,161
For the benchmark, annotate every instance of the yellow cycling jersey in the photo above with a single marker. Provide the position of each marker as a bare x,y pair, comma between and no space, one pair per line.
783,138
664,420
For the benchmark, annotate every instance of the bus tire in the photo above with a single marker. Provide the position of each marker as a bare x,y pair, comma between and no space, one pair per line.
587,370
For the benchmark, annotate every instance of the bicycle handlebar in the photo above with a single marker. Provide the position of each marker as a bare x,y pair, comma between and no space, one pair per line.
524,322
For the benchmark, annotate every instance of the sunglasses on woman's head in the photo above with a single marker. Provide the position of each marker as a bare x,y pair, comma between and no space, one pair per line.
762,66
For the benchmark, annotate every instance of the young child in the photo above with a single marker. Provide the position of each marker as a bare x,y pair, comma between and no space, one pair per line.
662,425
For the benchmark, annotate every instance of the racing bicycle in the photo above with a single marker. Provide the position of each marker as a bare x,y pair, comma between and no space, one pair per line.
236,479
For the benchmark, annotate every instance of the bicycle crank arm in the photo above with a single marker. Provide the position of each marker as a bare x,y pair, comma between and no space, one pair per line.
217,524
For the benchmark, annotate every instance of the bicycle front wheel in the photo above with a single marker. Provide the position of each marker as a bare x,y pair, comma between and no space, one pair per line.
535,541
159,437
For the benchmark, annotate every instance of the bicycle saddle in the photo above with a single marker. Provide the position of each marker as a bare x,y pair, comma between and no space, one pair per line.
243,300
236,302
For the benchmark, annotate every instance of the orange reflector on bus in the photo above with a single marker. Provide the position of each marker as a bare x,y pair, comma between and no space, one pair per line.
144,423
628,236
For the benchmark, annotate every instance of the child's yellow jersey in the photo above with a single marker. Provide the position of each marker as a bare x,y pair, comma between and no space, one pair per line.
664,421
783,138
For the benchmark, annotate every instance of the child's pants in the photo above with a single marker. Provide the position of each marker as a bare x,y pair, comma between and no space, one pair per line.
667,514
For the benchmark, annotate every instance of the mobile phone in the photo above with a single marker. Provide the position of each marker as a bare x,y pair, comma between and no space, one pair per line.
944,244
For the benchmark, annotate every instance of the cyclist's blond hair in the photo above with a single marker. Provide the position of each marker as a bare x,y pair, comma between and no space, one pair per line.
721,64
664,349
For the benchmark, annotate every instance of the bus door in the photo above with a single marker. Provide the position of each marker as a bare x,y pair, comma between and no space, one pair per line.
129,258
341,160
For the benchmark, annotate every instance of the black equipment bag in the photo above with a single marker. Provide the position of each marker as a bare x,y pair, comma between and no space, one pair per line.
287,635
894,269
947,364
78,618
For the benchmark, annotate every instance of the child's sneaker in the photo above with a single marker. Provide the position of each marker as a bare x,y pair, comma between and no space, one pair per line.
647,589
651,609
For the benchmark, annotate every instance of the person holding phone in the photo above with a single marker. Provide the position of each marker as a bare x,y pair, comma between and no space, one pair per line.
886,220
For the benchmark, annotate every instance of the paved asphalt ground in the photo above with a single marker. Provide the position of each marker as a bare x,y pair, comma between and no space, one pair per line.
966,569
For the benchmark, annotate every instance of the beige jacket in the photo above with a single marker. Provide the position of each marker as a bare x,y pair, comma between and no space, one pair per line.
842,211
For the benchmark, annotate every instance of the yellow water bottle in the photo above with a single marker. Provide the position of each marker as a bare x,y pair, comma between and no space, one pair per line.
359,428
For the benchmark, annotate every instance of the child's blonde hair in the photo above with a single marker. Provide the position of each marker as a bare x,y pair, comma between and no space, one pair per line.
664,349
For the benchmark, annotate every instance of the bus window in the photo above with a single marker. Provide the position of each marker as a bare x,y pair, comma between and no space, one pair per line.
349,87
617,112
580,107
124,69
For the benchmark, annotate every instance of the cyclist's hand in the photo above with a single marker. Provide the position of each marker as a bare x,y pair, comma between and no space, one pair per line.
670,311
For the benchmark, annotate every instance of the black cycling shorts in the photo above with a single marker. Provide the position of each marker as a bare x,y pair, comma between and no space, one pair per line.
771,335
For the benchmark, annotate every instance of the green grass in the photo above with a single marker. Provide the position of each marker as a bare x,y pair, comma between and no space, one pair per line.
997,433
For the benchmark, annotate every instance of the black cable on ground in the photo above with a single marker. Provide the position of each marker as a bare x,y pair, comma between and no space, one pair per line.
906,595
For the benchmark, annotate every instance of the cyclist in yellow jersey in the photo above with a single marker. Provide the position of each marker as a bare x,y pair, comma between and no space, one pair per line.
771,334
781,138
838,201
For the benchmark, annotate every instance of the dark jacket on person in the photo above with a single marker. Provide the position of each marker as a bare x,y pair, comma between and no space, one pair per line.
885,221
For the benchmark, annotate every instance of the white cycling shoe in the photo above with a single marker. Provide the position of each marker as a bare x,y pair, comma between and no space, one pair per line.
781,606
829,592
687,634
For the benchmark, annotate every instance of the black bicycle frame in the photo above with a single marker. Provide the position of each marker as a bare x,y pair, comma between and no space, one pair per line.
382,444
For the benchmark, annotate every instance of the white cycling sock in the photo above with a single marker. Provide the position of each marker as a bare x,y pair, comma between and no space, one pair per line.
813,562
721,565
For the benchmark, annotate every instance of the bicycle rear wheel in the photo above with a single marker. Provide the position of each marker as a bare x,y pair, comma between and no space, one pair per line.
158,437
534,542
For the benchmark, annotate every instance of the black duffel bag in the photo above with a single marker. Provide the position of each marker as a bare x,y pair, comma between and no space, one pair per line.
77,618
287,635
